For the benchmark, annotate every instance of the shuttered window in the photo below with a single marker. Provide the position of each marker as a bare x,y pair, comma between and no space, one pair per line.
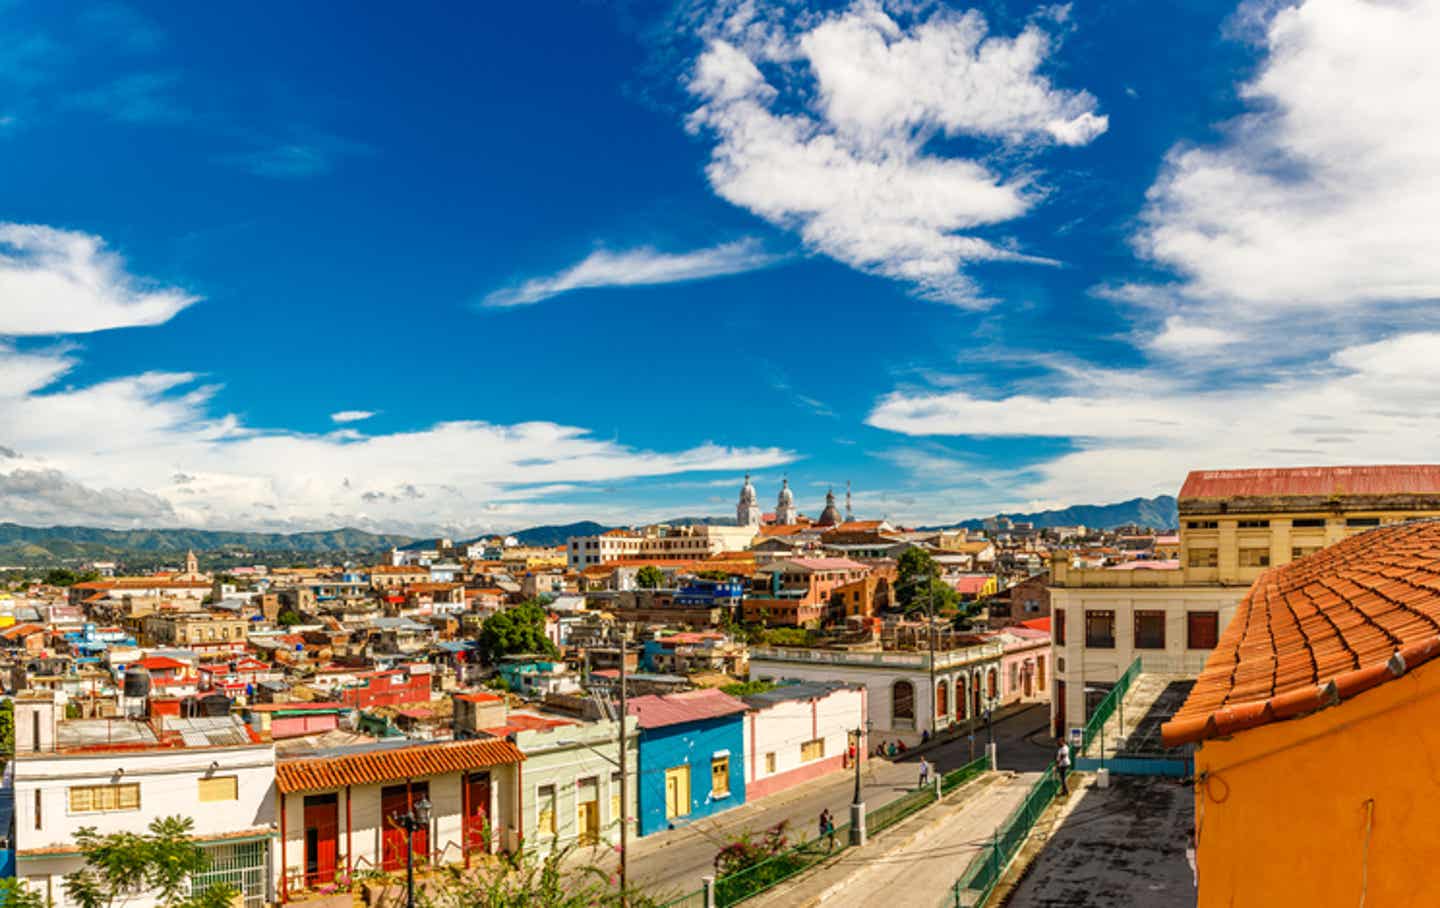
220,788
95,798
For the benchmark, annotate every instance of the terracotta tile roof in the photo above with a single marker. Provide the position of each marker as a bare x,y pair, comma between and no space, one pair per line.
516,722
1371,480
1037,624
656,711
393,764
1320,629
828,564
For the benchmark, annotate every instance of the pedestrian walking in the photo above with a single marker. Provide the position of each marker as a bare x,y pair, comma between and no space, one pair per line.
1062,766
924,772
827,829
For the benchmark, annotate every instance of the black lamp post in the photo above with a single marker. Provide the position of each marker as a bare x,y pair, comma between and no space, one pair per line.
416,818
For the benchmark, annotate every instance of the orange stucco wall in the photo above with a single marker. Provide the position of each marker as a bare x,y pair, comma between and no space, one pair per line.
1282,818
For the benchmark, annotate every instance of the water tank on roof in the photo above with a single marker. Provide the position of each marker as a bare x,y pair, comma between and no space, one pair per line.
215,706
137,682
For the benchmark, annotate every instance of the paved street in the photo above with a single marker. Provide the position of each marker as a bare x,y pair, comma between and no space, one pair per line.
674,862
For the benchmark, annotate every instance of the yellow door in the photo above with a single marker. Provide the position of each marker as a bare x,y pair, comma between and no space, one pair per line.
677,792
589,822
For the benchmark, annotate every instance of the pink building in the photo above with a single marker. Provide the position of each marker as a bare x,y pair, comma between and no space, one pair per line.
797,732
1025,666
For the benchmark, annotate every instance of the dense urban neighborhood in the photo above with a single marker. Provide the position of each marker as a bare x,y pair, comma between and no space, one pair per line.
607,698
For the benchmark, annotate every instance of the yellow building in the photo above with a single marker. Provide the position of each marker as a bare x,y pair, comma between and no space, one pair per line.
1317,729
1234,524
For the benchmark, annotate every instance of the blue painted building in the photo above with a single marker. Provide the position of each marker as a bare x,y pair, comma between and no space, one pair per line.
692,757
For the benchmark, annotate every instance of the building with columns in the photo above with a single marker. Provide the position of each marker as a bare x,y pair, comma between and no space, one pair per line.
1234,525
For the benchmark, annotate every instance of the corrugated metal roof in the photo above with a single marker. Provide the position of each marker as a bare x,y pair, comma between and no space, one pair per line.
656,711
388,765
1414,479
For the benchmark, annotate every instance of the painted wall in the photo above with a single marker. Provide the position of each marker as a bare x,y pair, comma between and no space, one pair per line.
782,730
694,744
564,757
1318,810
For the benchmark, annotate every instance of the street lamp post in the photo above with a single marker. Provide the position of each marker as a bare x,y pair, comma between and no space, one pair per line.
413,820
857,804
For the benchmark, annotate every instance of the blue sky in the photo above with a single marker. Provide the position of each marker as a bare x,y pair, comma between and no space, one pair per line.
468,268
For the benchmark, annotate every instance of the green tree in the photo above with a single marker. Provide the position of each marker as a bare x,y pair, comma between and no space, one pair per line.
15,894
66,577
649,577
161,861
919,579
528,881
7,732
289,618
517,630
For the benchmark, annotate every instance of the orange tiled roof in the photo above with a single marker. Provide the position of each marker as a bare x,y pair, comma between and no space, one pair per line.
1369,480
387,765
1319,630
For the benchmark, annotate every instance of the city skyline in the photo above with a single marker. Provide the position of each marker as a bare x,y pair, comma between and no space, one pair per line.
454,271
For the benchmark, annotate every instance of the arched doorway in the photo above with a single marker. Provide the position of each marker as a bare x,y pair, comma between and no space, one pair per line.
975,708
1029,674
994,685
902,705
942,699
960,699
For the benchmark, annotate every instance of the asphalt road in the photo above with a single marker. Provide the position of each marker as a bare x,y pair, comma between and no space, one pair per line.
673,862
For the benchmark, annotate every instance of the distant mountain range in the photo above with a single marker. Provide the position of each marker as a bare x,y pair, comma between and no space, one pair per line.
22,545
1159,512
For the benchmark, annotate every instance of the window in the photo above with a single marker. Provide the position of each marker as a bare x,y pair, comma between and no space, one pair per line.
220,788
37,808
770,762
1201,525
1202,629
1204,558
545,819
1100,629
1300,551
812,750
1058,622
1363,522
902,700
1308,522
720,777
1253,524
95,798
1254,557
1149,629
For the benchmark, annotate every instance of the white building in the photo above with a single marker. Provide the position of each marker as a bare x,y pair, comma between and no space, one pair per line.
899,701
799,732
118,775
693,543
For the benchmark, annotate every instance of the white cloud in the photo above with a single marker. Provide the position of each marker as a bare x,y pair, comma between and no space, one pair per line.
66,282
1326,197
351,415
853,174
1368,403
637,267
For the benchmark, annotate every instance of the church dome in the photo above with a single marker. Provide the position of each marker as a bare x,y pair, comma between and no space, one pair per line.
831,515
787,497
747,492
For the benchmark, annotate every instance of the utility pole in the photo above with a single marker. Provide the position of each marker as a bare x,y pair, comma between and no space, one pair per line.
624,781
934,704
857,805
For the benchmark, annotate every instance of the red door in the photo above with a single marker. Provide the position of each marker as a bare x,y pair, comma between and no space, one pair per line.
960,699
477,817
322,825
395,801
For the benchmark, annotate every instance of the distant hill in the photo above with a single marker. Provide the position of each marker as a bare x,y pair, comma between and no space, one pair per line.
34,545
1159,512
557,534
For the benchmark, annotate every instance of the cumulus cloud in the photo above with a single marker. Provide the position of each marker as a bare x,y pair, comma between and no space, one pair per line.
849,160
1138,432
66,282
637,267
343,416
49,496
1326,197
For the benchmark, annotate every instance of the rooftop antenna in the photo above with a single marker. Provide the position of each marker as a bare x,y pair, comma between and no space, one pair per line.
849,513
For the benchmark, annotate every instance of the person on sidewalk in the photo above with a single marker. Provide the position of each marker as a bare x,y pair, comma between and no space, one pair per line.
827,829
924,772
1062,766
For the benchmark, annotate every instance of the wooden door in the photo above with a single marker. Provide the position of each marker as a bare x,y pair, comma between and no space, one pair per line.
677,792
322,826
394,802
477,819
587,810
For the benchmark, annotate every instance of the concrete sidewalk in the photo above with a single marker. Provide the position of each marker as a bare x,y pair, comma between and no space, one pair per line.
916,862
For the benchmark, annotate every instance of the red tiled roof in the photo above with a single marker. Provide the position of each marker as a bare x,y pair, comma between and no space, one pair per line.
1319,630
524,722
656,711
1037,624
387,765
21,630
478,697
1372,480
971,584
159,662
828,564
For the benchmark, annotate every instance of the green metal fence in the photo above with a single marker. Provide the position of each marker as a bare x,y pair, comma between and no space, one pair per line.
694,899
988,866
734,888
957,777
241,865
1106,707
887,815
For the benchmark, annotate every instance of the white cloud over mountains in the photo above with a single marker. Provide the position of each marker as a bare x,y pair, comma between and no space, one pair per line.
838,144
146,450
643,266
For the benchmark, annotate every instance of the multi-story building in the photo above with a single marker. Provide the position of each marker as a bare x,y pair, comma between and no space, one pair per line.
1234,524
118,775
686,542
200,630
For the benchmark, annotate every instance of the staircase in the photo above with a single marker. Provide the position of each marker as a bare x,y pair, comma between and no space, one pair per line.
1152,699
